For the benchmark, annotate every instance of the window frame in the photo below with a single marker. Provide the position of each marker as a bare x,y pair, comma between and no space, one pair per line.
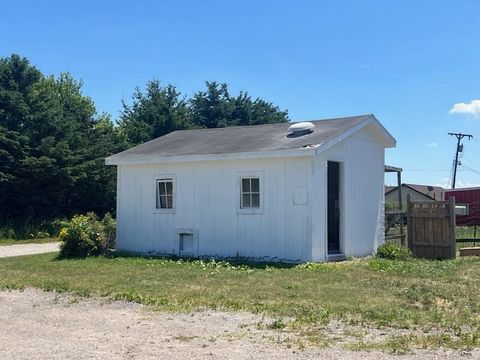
163,178
465,206
250,210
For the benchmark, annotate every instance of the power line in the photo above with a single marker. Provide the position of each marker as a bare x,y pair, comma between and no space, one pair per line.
471,169
423,170
450,176
471,163
474,151
459,137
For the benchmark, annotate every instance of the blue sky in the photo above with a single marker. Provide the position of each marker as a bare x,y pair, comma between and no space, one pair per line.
408,62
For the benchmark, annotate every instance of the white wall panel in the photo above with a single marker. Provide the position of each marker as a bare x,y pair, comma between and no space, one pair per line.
292,223
207,200
362,175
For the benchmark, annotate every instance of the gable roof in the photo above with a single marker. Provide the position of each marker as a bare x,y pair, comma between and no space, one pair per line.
247,139
433,192
389,188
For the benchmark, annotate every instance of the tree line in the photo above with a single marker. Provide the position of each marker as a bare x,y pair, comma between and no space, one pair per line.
53,141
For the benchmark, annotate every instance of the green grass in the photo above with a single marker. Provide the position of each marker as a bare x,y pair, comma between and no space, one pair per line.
6,242
467,232
424,297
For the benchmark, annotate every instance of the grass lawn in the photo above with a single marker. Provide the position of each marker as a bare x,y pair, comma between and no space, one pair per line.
5,242
425,304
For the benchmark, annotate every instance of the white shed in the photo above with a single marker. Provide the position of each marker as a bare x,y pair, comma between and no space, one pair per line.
276,192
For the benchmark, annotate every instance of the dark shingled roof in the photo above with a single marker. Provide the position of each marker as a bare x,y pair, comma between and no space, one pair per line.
268,137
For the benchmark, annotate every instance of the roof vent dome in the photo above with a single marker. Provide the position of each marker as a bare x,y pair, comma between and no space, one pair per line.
301,127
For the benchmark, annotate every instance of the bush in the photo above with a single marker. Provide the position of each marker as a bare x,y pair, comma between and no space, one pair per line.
28,228
393,251
109,227
86,235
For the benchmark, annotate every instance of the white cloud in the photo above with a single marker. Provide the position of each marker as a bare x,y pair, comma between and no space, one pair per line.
445,183
472,108
432,144
466,184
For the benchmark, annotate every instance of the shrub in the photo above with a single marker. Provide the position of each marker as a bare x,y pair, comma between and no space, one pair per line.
28,228
86,235
109,228
393,251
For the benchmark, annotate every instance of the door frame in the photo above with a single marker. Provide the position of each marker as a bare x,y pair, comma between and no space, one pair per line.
341,196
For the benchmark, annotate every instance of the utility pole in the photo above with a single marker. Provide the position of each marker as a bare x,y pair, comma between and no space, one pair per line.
459,137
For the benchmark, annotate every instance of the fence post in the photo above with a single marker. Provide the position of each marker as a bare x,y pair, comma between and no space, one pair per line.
400,207
452,224
409,223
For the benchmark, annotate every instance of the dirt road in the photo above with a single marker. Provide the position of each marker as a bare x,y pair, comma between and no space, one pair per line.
27,249
42,325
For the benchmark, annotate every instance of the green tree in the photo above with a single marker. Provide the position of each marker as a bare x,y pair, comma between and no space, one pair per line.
158,110
215,107
255,112
17,80
53,142
264,112
96,186
154,112
52,146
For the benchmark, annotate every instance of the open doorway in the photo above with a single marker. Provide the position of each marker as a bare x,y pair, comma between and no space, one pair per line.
333,207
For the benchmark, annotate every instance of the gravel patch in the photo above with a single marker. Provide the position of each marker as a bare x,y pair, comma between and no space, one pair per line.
27,249
45,325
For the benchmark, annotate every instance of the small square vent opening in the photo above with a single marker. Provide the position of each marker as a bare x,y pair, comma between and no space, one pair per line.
186,245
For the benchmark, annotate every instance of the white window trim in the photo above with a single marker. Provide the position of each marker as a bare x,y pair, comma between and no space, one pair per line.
159,177
250,211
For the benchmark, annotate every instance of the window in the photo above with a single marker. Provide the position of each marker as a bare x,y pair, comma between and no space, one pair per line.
462,209
164,193
250,193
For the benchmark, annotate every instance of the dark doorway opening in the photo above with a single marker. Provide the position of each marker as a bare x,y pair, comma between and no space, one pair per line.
333,207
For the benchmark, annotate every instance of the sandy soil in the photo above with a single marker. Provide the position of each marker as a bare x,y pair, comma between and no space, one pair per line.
27,249
42,325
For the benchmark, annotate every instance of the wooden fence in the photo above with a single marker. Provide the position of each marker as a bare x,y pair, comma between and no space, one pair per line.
395,226
431,228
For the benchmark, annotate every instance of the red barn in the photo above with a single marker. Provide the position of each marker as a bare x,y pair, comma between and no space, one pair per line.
468,205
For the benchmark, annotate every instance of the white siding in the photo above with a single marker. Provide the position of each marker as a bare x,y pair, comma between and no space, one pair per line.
207,203
292,223
362,195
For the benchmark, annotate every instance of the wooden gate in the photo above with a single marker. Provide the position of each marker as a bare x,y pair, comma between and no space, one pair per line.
431,228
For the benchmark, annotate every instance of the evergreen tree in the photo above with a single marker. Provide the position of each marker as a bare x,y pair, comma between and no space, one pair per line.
53,143
52,146
215,107
155,112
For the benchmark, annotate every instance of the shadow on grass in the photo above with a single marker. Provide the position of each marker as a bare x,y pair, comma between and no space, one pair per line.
237,261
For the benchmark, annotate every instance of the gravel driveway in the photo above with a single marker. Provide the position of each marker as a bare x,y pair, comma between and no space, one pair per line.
42,325
27,249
